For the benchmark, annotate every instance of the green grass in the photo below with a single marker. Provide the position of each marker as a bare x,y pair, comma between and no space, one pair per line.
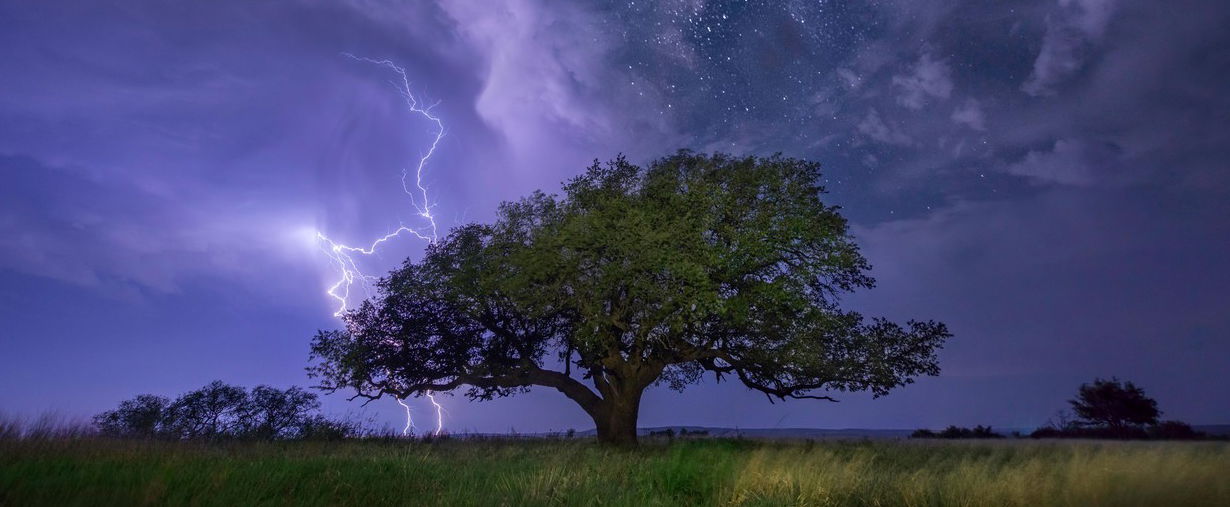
703,472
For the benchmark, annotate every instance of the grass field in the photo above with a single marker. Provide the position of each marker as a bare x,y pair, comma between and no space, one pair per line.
702,472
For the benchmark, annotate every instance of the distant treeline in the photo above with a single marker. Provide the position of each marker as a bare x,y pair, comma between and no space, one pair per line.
1104,409
682,433
223,411
957,432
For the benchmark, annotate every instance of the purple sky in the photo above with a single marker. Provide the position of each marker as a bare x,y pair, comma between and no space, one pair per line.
1048,178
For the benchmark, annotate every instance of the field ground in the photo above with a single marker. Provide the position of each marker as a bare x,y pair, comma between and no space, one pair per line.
550,472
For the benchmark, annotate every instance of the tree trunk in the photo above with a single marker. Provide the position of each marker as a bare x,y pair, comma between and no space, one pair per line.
616,419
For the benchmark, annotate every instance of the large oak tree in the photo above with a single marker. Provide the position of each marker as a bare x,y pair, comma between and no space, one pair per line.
635,276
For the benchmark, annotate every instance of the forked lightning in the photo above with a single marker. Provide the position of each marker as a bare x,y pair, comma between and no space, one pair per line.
344,256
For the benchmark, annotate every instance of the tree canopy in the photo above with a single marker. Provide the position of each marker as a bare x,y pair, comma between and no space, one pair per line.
219,410
695,264
1115,405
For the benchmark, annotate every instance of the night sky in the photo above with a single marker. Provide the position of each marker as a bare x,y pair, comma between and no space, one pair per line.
1049,178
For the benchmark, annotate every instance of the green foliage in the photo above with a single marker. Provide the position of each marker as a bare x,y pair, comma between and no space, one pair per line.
686,472
635,276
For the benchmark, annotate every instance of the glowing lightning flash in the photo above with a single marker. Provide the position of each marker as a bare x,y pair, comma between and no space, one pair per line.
405,431
343,256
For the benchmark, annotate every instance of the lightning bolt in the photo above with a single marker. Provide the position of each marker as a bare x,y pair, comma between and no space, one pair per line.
405,431
439,413
344,256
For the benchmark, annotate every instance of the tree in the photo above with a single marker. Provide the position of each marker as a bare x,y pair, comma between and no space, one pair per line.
219,410
1114,405
142,416
212,411
269,413
635,276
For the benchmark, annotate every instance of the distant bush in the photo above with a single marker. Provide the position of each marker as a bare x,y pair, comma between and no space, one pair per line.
1105,433
955,432
683,433
1115,405
222,411
1165,430
322,428
1175,430
1111,409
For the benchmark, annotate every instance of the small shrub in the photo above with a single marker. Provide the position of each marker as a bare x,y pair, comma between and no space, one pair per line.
322,428
1175,430
957,432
